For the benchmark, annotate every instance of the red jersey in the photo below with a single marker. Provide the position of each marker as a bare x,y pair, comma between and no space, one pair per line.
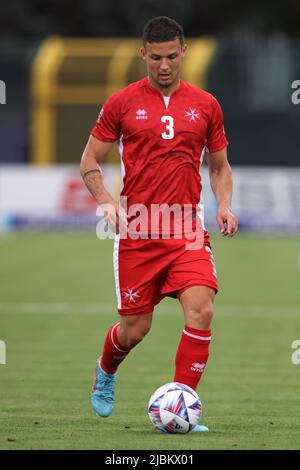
162,141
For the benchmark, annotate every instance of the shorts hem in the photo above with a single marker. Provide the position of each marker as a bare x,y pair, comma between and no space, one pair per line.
136,311
194,284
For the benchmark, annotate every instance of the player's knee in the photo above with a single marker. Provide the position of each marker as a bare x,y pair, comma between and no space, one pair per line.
206,313
201,316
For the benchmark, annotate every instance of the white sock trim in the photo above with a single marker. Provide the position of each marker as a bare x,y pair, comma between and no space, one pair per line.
203,338
112,338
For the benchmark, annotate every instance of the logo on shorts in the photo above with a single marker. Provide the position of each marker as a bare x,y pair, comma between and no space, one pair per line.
198,367
212,261
131,296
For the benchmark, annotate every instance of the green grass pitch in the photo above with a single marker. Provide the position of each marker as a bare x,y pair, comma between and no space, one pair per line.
57,301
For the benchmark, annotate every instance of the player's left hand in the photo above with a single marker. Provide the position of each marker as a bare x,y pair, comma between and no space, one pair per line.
227,221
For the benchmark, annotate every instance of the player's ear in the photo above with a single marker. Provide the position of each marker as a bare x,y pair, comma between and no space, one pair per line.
184,48
143,53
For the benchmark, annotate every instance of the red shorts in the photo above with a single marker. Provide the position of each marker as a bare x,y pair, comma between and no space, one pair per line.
147,270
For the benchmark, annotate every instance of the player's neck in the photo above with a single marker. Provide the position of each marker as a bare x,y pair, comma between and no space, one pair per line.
165,91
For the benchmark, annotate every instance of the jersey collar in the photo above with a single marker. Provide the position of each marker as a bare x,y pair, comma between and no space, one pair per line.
155,90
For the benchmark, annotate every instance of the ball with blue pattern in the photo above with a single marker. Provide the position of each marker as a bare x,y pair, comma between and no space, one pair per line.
175,408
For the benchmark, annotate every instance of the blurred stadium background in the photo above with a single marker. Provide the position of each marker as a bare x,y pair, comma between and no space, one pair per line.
59,61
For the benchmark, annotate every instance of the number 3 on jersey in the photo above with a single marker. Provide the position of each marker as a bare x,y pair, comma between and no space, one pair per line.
169,121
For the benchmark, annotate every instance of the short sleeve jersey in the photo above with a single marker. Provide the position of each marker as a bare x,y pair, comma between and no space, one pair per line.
161,142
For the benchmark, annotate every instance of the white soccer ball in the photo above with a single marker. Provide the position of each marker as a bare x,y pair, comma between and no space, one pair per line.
175,408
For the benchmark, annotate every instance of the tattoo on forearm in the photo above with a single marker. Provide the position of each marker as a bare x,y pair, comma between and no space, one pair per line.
94,183
90,171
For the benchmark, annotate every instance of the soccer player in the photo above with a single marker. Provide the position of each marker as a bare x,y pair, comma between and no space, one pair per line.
163,126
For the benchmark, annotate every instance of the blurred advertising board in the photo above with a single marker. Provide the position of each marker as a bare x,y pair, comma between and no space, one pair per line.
55,198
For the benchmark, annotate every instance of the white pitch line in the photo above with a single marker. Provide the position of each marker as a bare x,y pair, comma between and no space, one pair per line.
54,308
257,310
42,308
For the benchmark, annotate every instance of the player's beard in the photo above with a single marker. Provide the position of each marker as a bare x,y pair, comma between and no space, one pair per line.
168,83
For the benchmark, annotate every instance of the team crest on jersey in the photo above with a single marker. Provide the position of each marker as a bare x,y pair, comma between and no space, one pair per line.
192,115
141,114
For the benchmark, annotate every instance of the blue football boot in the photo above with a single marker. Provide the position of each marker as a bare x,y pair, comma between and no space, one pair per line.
103,392
200,428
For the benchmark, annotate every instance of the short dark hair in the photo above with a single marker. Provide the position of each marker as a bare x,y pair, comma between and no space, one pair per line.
162,29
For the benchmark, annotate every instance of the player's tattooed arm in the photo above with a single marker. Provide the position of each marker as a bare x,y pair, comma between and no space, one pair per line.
94,154
221,183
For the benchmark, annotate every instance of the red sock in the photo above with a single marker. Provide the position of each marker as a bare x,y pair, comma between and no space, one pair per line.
113,351
192,355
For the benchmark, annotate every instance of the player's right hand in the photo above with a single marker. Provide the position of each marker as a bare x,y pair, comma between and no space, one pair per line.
115,217
227,221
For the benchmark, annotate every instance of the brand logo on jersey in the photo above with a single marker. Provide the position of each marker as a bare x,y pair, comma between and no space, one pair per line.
198,367
131,296
192,115
141,114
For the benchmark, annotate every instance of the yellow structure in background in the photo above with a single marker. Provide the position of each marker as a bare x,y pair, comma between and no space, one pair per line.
71,79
